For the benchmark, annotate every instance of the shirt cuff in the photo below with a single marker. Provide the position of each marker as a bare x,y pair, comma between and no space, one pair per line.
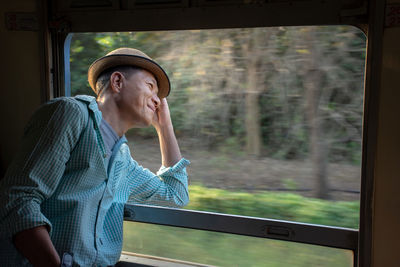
180,165
24,218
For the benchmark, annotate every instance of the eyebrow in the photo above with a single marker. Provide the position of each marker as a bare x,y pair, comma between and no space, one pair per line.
154,81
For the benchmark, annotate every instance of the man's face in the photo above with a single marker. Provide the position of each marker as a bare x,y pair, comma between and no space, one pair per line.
139,100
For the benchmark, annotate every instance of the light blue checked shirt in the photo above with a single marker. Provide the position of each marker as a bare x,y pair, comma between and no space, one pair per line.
59,179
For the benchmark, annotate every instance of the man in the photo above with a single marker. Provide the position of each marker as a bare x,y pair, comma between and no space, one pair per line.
65,192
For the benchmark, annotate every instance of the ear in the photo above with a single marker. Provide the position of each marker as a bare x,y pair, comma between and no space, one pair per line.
116,81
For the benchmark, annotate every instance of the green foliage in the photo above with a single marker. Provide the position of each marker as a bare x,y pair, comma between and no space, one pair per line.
84,50
219,249
209,72
282,206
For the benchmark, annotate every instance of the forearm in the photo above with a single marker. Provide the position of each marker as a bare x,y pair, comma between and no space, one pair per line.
170,152
170,191
35,244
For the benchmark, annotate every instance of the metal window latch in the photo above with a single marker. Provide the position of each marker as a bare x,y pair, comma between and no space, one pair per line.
278,231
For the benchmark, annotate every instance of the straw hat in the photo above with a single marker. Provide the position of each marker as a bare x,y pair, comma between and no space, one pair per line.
129,56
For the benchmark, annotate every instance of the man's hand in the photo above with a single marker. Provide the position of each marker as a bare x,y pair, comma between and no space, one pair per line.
35,244
162,117
170,152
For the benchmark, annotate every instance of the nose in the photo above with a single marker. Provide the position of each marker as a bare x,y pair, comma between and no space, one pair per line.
156,100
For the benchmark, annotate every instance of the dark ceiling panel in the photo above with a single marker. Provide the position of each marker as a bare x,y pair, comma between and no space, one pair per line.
133,15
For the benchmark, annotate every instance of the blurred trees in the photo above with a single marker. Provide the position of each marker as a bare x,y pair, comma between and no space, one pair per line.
313,80
283,92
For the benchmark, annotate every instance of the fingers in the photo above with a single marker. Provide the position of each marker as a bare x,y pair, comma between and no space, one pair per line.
163,102
163,108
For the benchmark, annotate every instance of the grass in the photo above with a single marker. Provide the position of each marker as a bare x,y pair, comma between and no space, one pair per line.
226,249
282,206
234,250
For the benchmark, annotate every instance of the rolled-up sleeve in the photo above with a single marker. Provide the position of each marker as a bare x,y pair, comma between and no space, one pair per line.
169,187
38,166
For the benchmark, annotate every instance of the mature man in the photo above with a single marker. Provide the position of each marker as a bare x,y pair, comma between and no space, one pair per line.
65,192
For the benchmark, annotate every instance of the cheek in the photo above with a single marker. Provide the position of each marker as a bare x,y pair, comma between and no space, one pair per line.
134,100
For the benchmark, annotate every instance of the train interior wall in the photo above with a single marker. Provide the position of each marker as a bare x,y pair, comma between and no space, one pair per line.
21,92
386,196
20,75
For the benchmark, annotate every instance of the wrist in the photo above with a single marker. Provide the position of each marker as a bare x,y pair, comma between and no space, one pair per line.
164,128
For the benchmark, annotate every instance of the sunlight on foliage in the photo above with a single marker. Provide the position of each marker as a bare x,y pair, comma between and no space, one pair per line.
106,41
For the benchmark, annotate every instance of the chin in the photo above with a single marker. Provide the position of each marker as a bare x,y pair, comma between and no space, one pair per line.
141,124
144,124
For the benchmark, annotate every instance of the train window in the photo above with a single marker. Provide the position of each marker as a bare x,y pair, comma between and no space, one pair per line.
271,120
204,248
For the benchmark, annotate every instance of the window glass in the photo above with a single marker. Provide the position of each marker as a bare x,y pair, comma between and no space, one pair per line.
270,118
220,249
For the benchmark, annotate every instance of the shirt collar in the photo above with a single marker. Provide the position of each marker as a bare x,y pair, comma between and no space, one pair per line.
92,105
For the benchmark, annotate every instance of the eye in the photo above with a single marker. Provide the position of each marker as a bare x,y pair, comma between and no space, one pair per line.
153,86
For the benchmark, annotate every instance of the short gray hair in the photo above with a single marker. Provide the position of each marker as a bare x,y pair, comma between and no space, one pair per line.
103,81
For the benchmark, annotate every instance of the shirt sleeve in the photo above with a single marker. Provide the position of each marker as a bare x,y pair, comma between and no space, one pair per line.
168,188
38,166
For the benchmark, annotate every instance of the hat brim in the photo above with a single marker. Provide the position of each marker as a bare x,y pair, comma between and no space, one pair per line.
110,61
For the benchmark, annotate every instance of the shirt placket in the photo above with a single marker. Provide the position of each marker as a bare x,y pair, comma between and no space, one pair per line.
98,242
107,197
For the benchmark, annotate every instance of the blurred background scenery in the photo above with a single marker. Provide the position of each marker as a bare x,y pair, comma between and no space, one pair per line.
271,120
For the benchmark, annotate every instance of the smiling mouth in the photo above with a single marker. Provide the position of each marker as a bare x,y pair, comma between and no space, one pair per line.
151,108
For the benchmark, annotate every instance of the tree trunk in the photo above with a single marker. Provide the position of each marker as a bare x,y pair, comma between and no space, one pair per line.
252,118
313,82
255,85
318,146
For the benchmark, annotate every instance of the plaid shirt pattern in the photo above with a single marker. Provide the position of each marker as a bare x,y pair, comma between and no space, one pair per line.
59,179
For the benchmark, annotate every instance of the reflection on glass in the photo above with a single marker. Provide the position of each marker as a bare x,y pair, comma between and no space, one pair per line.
226,249
271,118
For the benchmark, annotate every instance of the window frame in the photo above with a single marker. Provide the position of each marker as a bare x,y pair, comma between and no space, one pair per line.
328,236
188,14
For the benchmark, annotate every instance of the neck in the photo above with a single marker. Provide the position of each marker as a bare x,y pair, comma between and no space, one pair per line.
110,113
